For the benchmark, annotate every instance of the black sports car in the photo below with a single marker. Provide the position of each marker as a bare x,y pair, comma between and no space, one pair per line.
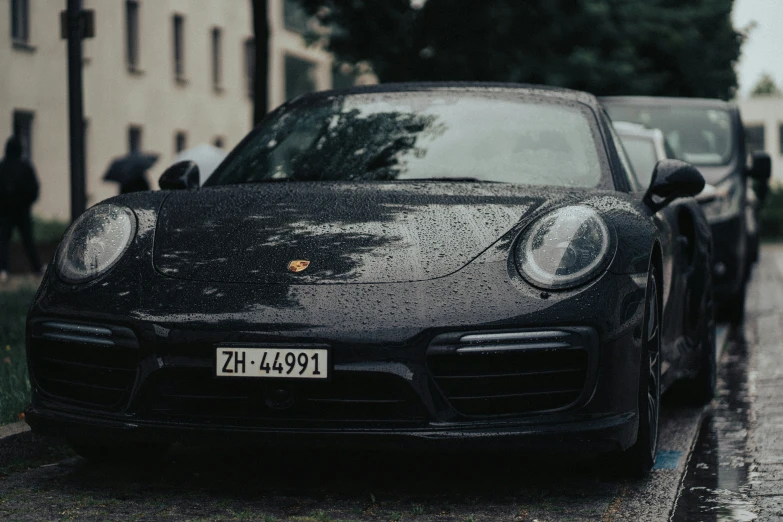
447,264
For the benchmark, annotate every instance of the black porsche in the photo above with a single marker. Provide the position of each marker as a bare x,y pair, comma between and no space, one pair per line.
427,264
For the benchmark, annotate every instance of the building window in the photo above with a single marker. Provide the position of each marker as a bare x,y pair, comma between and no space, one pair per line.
217,52
134,139
299,77
754,138
20,21
218,142
23,129
85,137
180,141
132,30
780,137
294,16
250,65
179,46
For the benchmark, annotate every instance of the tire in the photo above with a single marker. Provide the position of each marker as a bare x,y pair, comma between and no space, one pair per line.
139,453
733,310
639,459
700,389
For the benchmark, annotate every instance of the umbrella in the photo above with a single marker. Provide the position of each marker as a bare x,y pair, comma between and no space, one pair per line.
205,156
125,169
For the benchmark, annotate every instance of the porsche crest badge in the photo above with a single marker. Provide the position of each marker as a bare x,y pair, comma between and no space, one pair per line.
297,265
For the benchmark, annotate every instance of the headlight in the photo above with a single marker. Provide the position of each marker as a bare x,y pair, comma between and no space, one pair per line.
95,242
564,248
726,201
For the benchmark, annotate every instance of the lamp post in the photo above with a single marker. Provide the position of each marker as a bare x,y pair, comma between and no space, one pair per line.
74,27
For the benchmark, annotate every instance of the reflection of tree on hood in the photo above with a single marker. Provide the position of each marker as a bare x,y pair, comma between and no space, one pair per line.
18,182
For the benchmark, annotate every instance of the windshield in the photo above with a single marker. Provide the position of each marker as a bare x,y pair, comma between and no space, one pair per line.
641,151
696,135
421,135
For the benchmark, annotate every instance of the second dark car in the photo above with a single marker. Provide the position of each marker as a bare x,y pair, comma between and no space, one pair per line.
442,265
710,135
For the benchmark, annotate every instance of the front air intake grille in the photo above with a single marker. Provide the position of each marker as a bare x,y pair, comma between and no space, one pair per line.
350,397
87,365
507,372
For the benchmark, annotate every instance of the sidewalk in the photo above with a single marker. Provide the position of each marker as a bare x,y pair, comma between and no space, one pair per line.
15,428
17,281
764,333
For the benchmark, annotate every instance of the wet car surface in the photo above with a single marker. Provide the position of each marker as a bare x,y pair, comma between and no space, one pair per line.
420,285
734,472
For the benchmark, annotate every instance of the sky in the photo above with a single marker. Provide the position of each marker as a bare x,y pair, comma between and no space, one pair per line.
763,50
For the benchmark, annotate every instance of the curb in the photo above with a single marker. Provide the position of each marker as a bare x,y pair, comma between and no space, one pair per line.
15,428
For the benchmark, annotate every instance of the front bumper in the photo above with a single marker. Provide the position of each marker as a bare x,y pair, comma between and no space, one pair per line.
170,392
100,381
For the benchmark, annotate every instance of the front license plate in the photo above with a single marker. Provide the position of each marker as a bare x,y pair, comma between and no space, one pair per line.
278,363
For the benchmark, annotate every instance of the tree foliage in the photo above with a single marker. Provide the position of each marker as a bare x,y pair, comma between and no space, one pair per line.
653,47
766,86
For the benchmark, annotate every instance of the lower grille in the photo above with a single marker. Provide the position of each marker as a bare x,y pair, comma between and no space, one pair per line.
195,394
511,372
83,364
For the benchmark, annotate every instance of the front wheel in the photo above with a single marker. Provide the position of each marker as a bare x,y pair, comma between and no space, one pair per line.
701,388
733,310
640,458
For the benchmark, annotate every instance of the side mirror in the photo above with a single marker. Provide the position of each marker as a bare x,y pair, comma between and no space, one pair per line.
672,179
760,171
180,176
761,168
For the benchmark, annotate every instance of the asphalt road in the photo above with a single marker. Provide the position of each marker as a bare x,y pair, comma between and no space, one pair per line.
723,462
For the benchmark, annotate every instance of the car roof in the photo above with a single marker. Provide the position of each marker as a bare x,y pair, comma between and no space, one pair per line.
544,91
707,103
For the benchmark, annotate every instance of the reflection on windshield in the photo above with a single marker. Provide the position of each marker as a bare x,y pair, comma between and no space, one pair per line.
404,136
698,136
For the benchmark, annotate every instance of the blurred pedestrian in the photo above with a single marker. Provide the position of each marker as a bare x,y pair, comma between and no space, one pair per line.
130,171
18,192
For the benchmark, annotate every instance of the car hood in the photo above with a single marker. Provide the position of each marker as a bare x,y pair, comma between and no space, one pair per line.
349,232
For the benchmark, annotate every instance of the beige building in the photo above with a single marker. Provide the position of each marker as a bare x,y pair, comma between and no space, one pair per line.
159,76
763,120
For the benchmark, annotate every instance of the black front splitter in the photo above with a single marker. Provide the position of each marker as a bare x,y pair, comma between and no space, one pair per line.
604,434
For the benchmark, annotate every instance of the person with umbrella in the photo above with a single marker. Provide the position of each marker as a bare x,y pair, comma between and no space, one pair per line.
130,172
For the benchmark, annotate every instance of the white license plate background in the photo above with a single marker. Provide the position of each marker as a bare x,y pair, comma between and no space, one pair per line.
233,361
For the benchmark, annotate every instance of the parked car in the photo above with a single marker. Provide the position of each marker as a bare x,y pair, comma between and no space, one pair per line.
438,265
709,134
645,148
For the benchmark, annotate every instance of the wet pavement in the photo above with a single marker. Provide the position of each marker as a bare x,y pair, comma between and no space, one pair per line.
735,471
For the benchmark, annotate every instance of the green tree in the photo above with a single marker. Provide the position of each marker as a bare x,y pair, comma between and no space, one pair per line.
766,86
654,47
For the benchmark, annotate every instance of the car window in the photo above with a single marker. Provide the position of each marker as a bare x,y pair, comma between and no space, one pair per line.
701,136
415,135
641,152
628,167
